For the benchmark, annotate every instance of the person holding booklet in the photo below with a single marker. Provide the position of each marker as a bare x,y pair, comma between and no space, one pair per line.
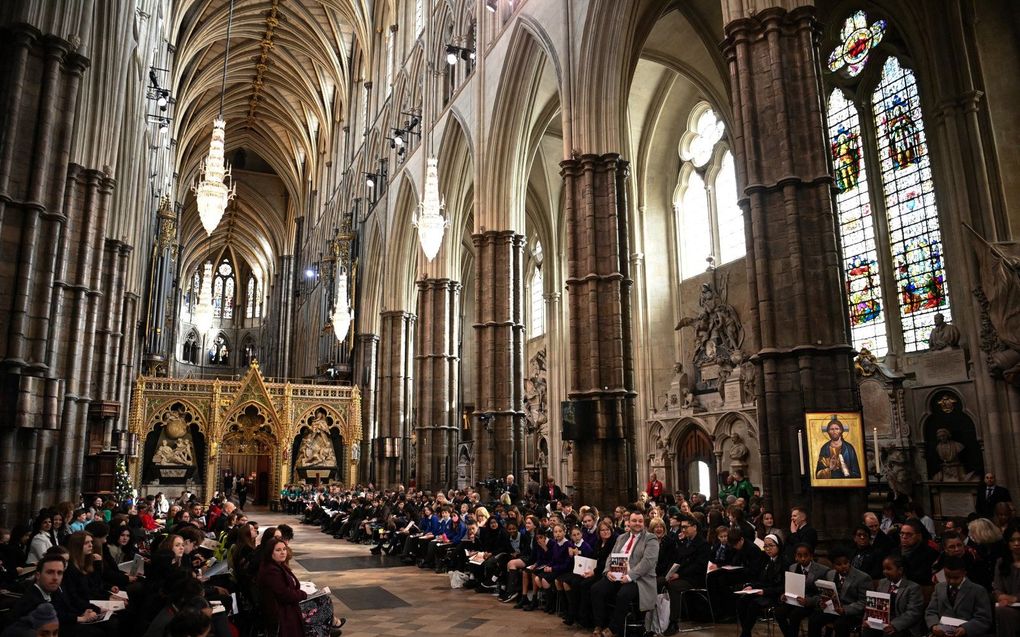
958,607
896,607
637,552
579,590
582,556
842,593
795,607
1006,585
690,563
763,586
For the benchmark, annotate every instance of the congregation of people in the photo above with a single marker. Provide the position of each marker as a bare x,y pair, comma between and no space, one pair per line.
150,567
730,553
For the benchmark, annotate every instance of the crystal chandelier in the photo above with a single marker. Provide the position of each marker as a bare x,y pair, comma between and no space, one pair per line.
203,317
212,192
342,310
430,223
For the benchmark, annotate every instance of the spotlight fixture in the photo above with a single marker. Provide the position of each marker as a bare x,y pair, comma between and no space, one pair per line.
163,100
453,52
491,5
309,273
398,137
370,180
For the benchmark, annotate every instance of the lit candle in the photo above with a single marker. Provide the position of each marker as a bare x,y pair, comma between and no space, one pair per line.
878,462
800,449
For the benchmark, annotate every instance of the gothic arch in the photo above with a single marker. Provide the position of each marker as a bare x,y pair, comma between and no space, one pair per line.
340,421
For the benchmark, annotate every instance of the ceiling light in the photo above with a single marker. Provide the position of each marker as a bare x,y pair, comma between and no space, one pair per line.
430,223
309,273
398,139
203,316
490,5
162,101
451,57
342,309
370,182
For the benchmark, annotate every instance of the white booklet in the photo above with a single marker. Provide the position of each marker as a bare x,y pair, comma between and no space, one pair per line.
618,565
108,605
950,624
795,585
749,591
830,596
877,609
477,557
672,570
584,564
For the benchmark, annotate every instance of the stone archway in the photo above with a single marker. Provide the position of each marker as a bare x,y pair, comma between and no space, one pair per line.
693,447
248,448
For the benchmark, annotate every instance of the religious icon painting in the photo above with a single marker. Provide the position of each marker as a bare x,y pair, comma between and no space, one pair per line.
835,449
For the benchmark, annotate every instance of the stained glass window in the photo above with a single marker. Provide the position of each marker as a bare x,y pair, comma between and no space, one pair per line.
856,228
249,299
537,303
698,143
223,291
857,41
730,218
695,228
915,239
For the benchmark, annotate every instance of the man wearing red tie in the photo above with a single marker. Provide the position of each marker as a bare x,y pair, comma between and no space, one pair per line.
637,584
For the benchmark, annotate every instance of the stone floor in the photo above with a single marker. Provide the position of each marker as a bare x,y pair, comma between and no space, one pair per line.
382,598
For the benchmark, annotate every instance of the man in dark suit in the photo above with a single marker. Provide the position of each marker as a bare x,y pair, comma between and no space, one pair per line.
801,532
989,495
961,599
918,557
906,616
45,587
550,493
787,616
692,555
512,489
851,589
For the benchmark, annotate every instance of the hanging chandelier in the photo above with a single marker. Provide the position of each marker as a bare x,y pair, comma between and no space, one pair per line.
430,223
342,310
213,191
203,317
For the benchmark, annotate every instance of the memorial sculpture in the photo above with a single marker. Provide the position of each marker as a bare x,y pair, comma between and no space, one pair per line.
317,445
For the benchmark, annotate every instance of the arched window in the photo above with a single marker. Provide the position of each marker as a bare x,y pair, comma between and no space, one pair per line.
710,223
223,291
537,288
250,302
888,219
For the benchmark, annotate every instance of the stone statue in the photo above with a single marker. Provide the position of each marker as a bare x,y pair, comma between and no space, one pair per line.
679,395
866,363
949,451
748,381
718,332
184,453
317,446
176,427
1000,314
898,473
944,335
738,453
536,389
164,454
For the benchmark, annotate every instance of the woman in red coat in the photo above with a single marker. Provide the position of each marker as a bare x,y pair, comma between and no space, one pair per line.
280,591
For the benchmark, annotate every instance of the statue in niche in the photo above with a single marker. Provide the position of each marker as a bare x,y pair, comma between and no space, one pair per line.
949,451
866,363
181,453
943,335
184,453
317,446
679,395
164,454
718,333
738,453
536,389
748,381
898,473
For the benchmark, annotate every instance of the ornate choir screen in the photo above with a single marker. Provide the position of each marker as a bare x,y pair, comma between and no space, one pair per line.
193,432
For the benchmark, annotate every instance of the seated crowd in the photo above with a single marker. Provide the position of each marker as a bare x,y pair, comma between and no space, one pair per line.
149,568
522,549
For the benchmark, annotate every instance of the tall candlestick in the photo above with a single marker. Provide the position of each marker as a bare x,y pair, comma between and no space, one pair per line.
878,462
800,449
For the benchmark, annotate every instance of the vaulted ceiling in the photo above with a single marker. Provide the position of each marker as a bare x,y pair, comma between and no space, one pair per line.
286,89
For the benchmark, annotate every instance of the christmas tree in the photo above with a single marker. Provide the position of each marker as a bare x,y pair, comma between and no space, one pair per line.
122,483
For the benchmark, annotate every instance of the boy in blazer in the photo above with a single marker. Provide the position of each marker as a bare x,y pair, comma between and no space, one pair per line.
960,598
851,587
637,584
907,616
789,617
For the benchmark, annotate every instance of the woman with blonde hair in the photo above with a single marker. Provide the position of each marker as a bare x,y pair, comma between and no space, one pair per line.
986,540
481,515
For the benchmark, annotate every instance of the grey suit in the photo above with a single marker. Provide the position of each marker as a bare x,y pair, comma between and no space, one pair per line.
608,593
789,617
852,594
972,604
908,607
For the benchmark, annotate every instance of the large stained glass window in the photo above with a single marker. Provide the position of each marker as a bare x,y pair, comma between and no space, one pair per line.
856,227
889,228
223,291
537,289
709,220
249,299
915,240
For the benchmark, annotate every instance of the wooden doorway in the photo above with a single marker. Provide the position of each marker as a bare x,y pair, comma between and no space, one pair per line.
695,462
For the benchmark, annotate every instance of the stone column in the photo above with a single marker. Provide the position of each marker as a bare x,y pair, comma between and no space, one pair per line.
599,307
793,259
38,93
436,393
365,376
392,445
162,294
499,372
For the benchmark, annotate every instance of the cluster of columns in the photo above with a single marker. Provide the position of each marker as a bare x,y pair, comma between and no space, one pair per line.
66,345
